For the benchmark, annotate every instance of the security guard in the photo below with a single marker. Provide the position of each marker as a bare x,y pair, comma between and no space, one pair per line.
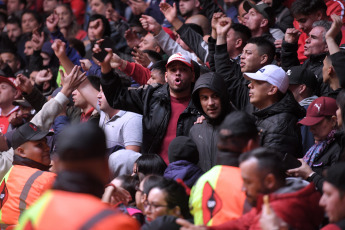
28,178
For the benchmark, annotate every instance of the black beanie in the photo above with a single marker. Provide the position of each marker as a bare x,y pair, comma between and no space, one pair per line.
183,148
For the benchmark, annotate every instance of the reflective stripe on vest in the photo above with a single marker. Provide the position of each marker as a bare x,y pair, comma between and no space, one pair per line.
217,196
97,218
19,190
26,190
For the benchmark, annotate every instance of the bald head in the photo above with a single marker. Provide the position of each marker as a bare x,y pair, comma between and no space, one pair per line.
200,20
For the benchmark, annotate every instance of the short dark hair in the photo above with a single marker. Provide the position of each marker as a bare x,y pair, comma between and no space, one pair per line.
269,161
105,22
36,15
264,47
151,164
160,66
153,55
95,81
14,20
307,7
129,183
151,181
242,31
176,196
3,17
78,46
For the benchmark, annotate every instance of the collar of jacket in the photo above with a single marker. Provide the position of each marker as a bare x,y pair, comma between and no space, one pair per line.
287,104
78,182
18,160
317,57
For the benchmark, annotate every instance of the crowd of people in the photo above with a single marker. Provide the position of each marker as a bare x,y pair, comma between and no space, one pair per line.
173,114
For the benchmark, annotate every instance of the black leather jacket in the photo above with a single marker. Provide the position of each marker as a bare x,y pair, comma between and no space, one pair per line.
153,102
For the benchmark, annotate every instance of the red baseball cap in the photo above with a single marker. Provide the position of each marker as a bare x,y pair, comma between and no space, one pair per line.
9,80
319,109
181,58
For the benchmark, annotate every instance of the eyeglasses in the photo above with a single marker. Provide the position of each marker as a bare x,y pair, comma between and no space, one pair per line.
148,205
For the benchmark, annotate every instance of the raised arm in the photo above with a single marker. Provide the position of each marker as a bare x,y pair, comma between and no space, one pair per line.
59,48
337,56
332,33
193,40
139,73
168,45
289,56
223,65
118,96
51,23
45,117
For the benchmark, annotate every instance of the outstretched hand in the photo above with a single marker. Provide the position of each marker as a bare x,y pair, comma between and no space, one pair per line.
42,76
303,171
150,24
71,81
140,57
116,61
335,28
59,48
170,12
223,26
292,35
37,39
215,18
132,38
52,21
105,64
114,195
85,64
24,84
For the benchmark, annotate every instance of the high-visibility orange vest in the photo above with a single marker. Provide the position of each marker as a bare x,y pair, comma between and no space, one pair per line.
19,189
217,196
58,210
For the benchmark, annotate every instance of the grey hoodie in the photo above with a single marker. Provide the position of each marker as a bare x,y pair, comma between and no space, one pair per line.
205,135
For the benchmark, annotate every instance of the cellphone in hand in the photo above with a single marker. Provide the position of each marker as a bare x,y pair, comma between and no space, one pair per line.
106,43
291,162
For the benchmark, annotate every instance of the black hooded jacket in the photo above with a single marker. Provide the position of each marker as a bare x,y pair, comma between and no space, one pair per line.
205,135
278,125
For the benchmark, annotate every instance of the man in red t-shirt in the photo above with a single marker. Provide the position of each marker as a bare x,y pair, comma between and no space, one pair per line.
8,93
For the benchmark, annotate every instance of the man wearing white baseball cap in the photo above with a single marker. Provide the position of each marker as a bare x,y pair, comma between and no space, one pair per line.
277,110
